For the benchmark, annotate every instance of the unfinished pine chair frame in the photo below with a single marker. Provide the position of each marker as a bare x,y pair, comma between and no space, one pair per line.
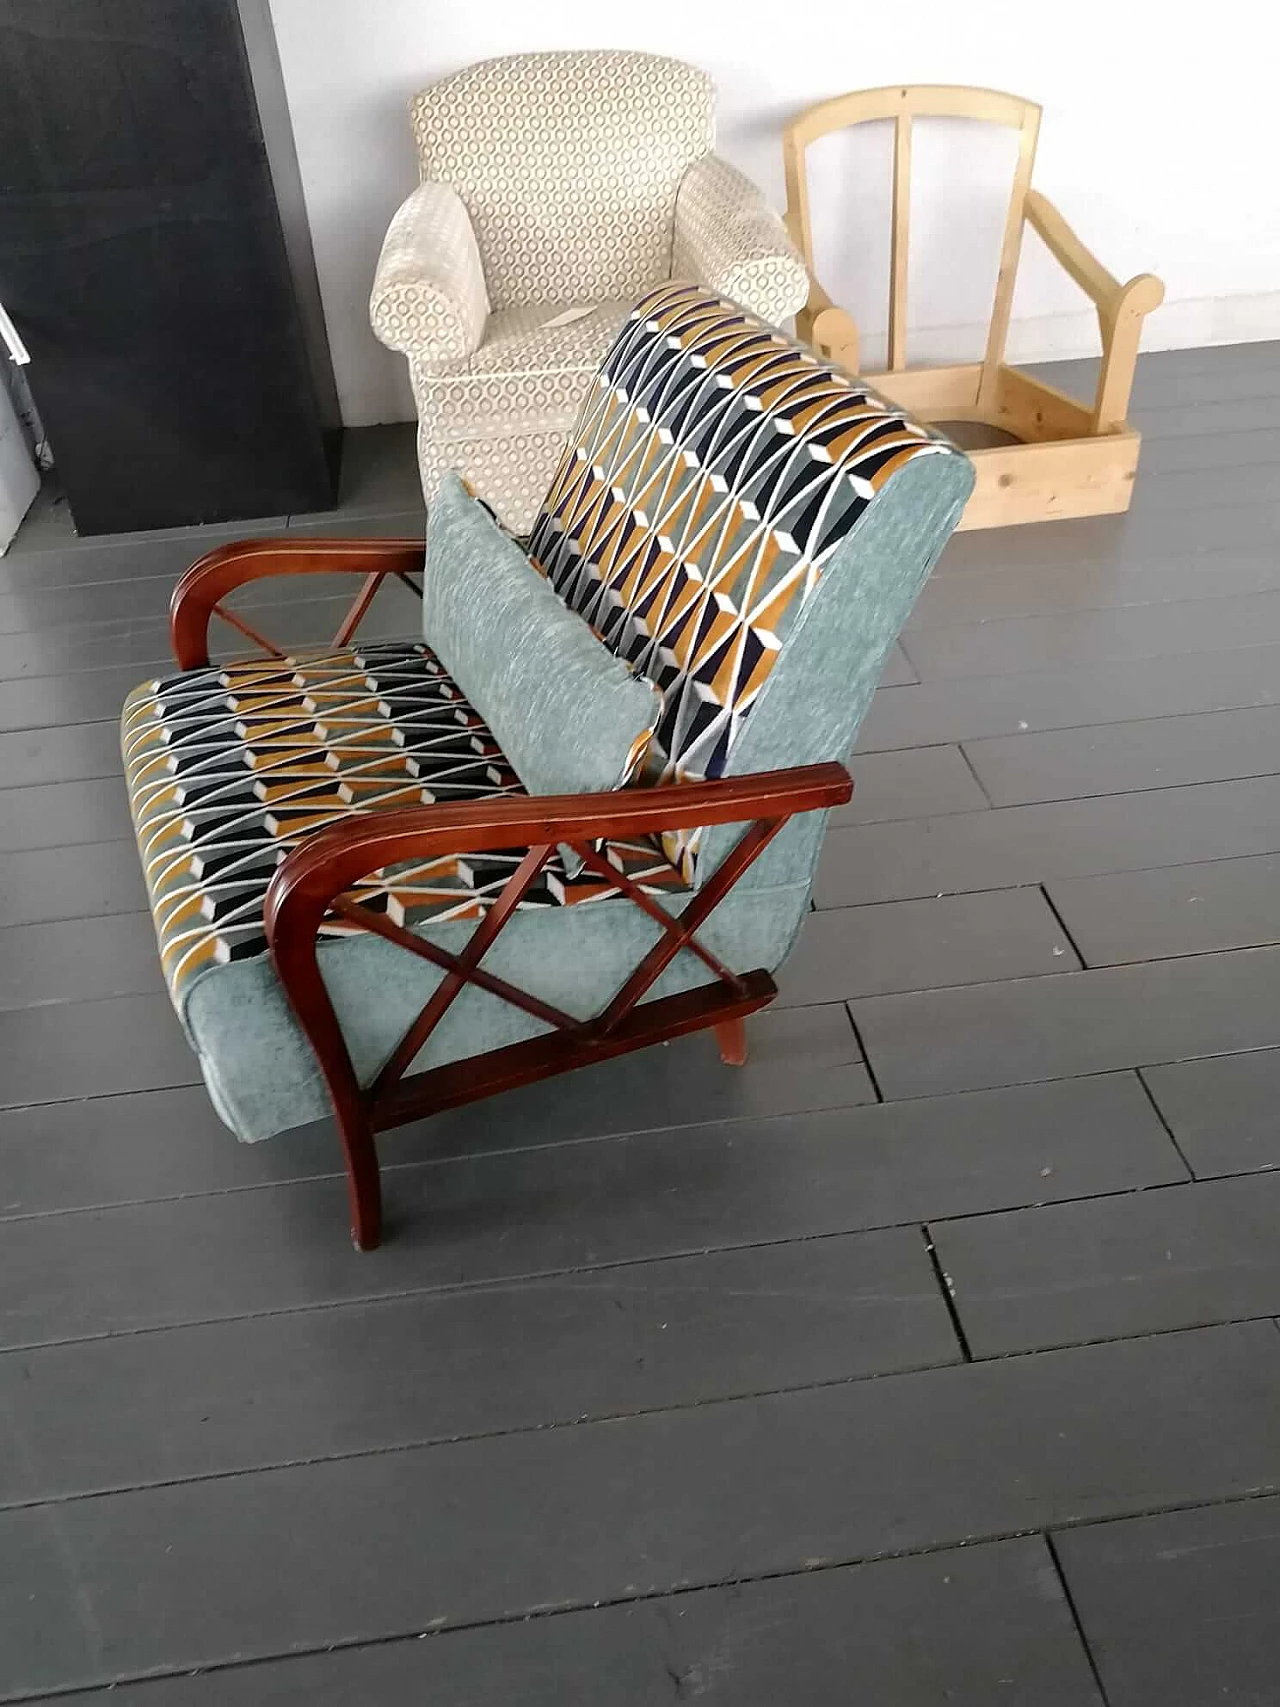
314,880
1074,459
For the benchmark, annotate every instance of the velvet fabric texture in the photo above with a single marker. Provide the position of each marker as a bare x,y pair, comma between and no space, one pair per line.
570,717
263,1077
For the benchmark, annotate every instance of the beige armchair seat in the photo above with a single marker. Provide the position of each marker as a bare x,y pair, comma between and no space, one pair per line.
556,189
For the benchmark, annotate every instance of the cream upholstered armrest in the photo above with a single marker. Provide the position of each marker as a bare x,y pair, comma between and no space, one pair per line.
729,239
429,298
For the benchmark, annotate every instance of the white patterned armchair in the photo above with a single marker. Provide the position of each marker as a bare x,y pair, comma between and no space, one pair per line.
556,188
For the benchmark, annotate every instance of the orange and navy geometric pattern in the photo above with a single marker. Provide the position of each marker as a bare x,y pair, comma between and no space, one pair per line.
230,767
714,469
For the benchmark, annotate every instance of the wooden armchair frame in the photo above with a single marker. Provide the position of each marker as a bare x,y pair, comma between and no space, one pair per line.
1073,459
315,880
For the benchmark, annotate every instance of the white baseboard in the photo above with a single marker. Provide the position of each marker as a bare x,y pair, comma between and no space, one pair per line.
1038,338
1189,324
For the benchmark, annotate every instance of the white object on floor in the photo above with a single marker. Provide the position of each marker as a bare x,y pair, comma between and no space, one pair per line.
12,338
19,479
571,314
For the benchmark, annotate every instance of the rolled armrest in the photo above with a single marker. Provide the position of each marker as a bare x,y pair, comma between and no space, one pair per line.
1140,295
429,298
728,238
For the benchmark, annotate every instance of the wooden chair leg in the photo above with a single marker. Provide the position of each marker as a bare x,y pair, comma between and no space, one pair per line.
731,1035
364,1181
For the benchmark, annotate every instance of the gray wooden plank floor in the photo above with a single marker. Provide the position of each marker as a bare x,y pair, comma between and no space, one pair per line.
929,1361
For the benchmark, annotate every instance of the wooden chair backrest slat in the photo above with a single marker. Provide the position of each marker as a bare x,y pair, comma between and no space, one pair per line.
903,104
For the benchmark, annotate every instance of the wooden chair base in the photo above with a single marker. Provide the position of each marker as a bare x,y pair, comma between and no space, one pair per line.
1060,468
1070,459
712,1005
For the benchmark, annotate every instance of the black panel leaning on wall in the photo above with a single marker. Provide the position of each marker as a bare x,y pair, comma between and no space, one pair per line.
178,356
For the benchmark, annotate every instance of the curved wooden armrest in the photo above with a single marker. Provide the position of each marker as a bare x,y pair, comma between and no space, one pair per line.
1121,309
828,328
327,864
198,592
1139,296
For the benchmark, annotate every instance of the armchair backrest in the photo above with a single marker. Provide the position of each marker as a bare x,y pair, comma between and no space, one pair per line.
749,527
568,164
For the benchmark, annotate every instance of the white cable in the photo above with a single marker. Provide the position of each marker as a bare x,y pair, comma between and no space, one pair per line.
9,332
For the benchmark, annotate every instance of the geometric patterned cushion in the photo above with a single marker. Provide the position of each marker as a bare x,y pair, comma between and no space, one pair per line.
228,767
714,469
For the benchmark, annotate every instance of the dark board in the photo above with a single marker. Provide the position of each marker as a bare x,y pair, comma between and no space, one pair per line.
143,258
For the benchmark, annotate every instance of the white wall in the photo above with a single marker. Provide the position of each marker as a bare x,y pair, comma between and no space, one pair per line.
1158,143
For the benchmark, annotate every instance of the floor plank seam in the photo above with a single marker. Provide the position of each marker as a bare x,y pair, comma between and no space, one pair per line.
490,1283
990,672
459,1288
1148,1333
1076,1620
1063,927
969,766
391,1166
1159,1113
1254,704
430,1443
1067,613
672,1593
910,900
866,1061
948,1293
904,648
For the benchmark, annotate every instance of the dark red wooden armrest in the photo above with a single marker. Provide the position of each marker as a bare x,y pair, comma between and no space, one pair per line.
197,594
329,863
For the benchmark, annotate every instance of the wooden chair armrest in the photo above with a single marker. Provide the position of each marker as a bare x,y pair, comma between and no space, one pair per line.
1139,296
828,328
1121,309
327,864
198,592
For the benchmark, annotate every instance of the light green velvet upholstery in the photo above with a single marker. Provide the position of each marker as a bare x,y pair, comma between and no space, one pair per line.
815,698
570,717
259,1067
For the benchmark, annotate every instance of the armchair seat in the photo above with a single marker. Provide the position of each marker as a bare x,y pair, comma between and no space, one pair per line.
501,420
547,338
229,768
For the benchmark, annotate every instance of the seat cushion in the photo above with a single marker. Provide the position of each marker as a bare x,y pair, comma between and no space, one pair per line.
230,767
503,421
549,337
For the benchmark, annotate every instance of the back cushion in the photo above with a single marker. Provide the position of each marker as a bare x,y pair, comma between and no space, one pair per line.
717,474
568,164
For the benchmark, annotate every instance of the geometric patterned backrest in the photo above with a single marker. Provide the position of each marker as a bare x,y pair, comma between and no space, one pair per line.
568,164
715,472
